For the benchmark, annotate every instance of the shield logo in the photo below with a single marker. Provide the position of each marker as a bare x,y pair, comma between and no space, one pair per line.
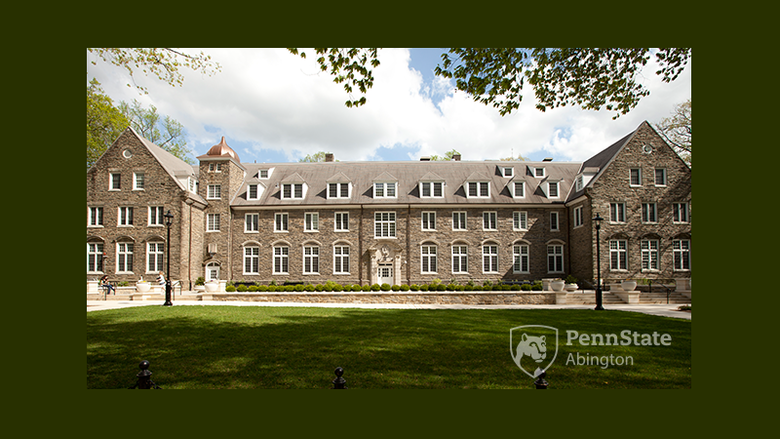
533,348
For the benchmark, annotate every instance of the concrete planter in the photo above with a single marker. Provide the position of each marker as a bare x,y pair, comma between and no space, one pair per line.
211,287
571,287
143,287
628,285
557,285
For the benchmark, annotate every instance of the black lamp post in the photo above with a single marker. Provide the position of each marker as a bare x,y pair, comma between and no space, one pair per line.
168,221
598,221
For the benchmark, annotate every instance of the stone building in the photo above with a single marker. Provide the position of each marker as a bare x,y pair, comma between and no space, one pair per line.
389,222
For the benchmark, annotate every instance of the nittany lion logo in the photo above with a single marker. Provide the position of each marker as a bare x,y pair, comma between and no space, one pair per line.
528,346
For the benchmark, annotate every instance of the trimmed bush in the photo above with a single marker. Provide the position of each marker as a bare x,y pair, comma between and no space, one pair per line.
414,287
262,288
468,287
241,288
366,288
230,288
396,288
423,287
441,287
385,287
452,287
515,287
404,287
309,288
375,287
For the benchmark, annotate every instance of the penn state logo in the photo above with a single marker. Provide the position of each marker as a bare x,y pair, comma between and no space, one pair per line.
533,348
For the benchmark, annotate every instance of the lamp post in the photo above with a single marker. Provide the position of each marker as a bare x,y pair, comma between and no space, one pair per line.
168,221
598,221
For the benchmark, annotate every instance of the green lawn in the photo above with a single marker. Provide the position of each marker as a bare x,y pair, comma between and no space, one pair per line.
217,347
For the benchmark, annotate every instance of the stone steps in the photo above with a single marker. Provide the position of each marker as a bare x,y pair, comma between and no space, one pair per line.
589,298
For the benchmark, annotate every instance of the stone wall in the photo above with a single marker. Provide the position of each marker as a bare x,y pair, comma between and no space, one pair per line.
442,298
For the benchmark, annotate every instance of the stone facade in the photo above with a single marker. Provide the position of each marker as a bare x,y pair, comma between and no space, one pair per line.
452,221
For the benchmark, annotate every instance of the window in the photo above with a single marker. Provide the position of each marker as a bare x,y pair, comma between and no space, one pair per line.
578,216
430,189
251,222
94,257
214,192
311,222
554,226
215,167
660,177
338,190
635,177
212,222
124,257
341,259
281,260
384,225
96,216
263,173
292,191
680,212
429,221
311,260
649,254
280,222
114,181
460,259
156,216
428,259
649,214
384,190
252,260
519,220
538,172
458,220
519,189
478,189
682,254
618,256
578,183
154,257
489,221
617,212
520,253
125,217
138,181
555,259
507,172
341,221
253,192
490,259
552,189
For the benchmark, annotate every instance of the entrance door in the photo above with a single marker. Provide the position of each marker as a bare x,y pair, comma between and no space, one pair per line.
385,274
212,271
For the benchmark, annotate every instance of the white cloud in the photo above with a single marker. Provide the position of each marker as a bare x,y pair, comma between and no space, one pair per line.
271,99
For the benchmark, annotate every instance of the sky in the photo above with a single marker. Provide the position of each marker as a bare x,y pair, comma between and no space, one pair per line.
272,106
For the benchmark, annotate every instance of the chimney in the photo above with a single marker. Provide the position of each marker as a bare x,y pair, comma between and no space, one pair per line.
329,157
456,157
547,159
425,158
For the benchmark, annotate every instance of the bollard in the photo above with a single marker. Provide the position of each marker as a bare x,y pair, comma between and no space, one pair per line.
540,382
339,382
145,377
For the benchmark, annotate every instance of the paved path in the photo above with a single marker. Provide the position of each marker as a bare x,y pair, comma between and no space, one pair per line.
659,310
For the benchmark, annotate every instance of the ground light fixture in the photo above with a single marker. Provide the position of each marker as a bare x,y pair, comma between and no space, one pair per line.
598,219
168,221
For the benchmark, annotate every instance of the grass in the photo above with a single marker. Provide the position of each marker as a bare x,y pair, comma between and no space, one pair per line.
229,347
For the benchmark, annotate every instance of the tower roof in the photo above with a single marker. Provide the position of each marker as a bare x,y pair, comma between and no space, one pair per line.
222,149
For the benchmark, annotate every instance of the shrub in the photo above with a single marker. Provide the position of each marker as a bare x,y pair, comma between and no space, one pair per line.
262,288
386,287
253,288
396,288
414,287
487,288
515,287
338,288
355,288
299,288
366,287
289,288
468,287
452,287
537,286
404,287
423,287
375,287
309,288
241,288
230,288
441,287
199,281
525,287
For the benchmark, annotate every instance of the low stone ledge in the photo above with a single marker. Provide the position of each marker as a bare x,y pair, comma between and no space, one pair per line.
394,297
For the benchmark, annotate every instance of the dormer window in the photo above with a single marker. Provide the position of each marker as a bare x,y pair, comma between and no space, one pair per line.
553,189
508,172
578,183
430,189
385,190
478,189
265,174
539,172
338,190
518,189
254,191
215,167
292,191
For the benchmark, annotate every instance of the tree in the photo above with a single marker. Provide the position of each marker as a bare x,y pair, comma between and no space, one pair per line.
589,78
447,155
163,63
104,122
163,131
314,158
676,130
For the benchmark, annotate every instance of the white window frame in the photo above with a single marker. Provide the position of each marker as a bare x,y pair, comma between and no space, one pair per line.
515,185
428,259
555,258
95,257
251,259
95,217
680,213
311,222
460,218
341,218
638,172
489,258
578,219
618,255
214,192
138,181
521,258
215,167
617,213
649,213
508,171
281,222
124,257
386,227
431,188
682,254
386,188
520,220
490,221
550,186
651,251
156,216
662,173
213,222
124,216
479,189
428,221
339,190
537,174
155,255
293,191
281,255
460,257
114,181
252,223
341,259
555,221
258,189
311,259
